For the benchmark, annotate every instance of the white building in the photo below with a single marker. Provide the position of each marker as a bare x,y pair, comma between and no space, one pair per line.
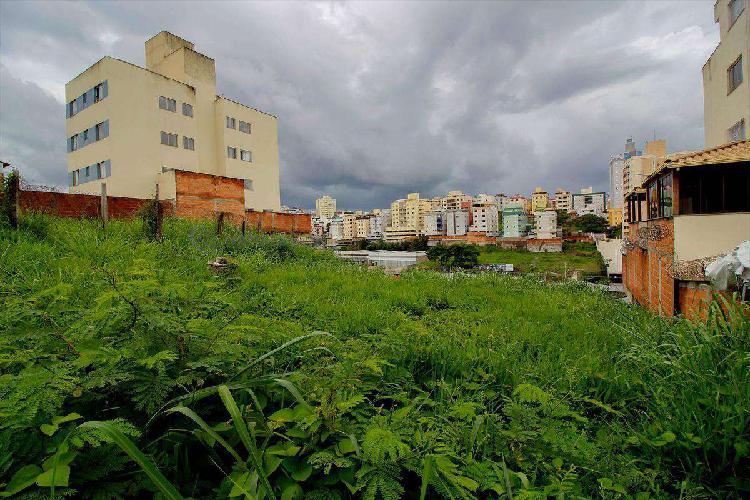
485,219
456,222
434,224
336,229
378,223
589,202
515,220
616,199
545,224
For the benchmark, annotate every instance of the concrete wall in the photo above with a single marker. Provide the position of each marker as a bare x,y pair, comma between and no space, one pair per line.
698,236
721,110
611,251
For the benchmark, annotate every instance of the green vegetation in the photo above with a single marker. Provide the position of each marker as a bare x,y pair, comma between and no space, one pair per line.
131,368
576,257
454,256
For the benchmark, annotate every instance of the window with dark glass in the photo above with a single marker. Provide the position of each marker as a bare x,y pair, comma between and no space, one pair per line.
665,195
734,74
652,195
735,9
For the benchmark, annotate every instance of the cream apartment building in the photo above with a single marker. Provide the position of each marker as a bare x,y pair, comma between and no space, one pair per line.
638,167
485,219
539,200
726,89
130,127
563,200
545,224
325,207
407,217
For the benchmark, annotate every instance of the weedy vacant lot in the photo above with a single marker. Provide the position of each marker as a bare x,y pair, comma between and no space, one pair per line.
132,368
582,258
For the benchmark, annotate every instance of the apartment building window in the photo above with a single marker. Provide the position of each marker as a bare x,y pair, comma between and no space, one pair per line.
231,152
167,103
734,75
88,98
737,132
735,9
169,139
188,143
187,109
231,122
248,184
246,155
75,178
100,174
244,127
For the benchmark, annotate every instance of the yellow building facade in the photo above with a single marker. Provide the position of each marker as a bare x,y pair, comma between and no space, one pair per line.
325,207
539,200
726,89
129,127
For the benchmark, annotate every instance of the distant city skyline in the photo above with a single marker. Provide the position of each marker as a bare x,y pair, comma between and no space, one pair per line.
378,100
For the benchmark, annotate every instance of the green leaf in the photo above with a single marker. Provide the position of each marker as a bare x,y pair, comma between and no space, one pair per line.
241,428
298,468
426,476
285,449
161,482
23,478
59,458
240,485
58,475
278,349
292,492
50,429
270,463
283,415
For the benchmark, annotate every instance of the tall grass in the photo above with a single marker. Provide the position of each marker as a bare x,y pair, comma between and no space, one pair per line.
493,384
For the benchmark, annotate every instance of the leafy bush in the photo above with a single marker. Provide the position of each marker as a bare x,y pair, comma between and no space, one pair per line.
454,256
131,368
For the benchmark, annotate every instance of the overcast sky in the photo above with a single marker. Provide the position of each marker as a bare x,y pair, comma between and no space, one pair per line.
379,99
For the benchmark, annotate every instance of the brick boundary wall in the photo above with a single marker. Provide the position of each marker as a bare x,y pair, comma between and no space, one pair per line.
647,273
196,207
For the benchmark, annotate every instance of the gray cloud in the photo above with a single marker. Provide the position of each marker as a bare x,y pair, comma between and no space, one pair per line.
378,99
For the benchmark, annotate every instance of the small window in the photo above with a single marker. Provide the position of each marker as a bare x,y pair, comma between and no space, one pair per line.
734,75
188,143
84,99
248,184
85,135
737,132
88,171
244,127
246,155
75,177
187,109
99,131
232,152
231,123
100,170
167,103
97,93
169,139
735,9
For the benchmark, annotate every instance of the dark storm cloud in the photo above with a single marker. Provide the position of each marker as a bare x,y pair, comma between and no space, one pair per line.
378,99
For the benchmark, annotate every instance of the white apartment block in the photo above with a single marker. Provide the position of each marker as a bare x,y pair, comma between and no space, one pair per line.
616,194
456,222
378,223
485,219
456,200
434,224
589,202
545,224
336,229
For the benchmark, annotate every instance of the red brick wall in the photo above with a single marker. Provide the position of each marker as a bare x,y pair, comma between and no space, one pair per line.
647,272
80,205
694,299
202,196
198,196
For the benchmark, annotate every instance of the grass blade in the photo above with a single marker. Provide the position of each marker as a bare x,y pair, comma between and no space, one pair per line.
239,425
161,482
203,425
278,349
426,476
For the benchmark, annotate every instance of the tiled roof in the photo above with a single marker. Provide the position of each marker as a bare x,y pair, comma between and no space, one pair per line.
733,152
